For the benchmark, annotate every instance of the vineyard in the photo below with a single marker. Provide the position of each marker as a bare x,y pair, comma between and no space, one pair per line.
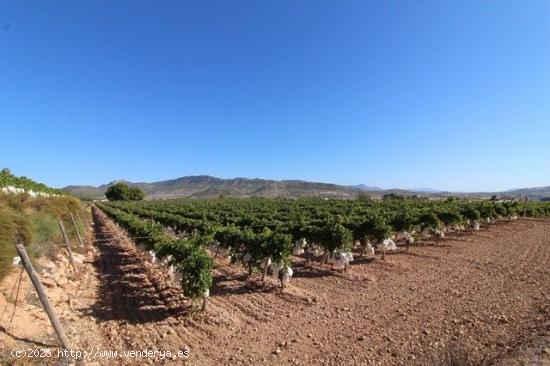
264,234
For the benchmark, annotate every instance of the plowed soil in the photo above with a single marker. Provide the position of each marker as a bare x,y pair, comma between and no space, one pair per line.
481,296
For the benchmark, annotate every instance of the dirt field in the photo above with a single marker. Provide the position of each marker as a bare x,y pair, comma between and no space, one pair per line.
485,295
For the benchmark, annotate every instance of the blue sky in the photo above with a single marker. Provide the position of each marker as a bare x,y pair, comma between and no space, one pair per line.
445,94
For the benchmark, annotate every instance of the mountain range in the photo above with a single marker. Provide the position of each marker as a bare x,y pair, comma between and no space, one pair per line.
204,186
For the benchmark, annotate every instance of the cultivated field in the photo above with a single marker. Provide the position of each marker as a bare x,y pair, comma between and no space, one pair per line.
483,294
479,297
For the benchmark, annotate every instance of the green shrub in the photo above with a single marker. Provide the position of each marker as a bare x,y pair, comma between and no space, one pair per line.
450,217
471,213
429,220
123,192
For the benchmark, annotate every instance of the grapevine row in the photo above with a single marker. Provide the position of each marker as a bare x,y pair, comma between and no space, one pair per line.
263,233
188,256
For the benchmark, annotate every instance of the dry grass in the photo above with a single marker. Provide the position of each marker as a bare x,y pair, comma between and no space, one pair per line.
14,225
34,222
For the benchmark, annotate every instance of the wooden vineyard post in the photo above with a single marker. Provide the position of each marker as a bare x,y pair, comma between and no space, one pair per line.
67,244
525,207
84,224
42,296
76,229
204,302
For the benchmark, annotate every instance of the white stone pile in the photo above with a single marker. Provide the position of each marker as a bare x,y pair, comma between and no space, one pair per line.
387,244
30,192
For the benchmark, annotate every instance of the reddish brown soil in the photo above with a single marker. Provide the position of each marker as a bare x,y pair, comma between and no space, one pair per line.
484,294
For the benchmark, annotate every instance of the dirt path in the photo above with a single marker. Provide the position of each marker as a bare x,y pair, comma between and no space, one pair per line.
484,294
136,305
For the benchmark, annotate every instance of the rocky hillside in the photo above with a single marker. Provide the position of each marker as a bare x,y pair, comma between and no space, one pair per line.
534,193
204,186
207,186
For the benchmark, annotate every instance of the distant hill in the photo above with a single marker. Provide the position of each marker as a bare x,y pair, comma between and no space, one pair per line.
534,193
363,187
204,186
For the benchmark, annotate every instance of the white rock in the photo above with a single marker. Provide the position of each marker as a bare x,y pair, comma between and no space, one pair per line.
60,279
299,247
388,244
153,256
48,282
408,237
49,266
62,259
369,249
287,274
439,233
78,258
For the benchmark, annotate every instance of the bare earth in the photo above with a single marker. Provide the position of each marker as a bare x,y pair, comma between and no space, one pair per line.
485,295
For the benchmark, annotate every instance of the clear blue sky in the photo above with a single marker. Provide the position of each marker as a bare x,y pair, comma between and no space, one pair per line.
444,94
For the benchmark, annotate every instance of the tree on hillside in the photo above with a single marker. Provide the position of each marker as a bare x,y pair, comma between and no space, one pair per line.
136,194
363,197
123,192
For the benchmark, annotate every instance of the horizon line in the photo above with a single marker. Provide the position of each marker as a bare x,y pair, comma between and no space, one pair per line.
374,187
